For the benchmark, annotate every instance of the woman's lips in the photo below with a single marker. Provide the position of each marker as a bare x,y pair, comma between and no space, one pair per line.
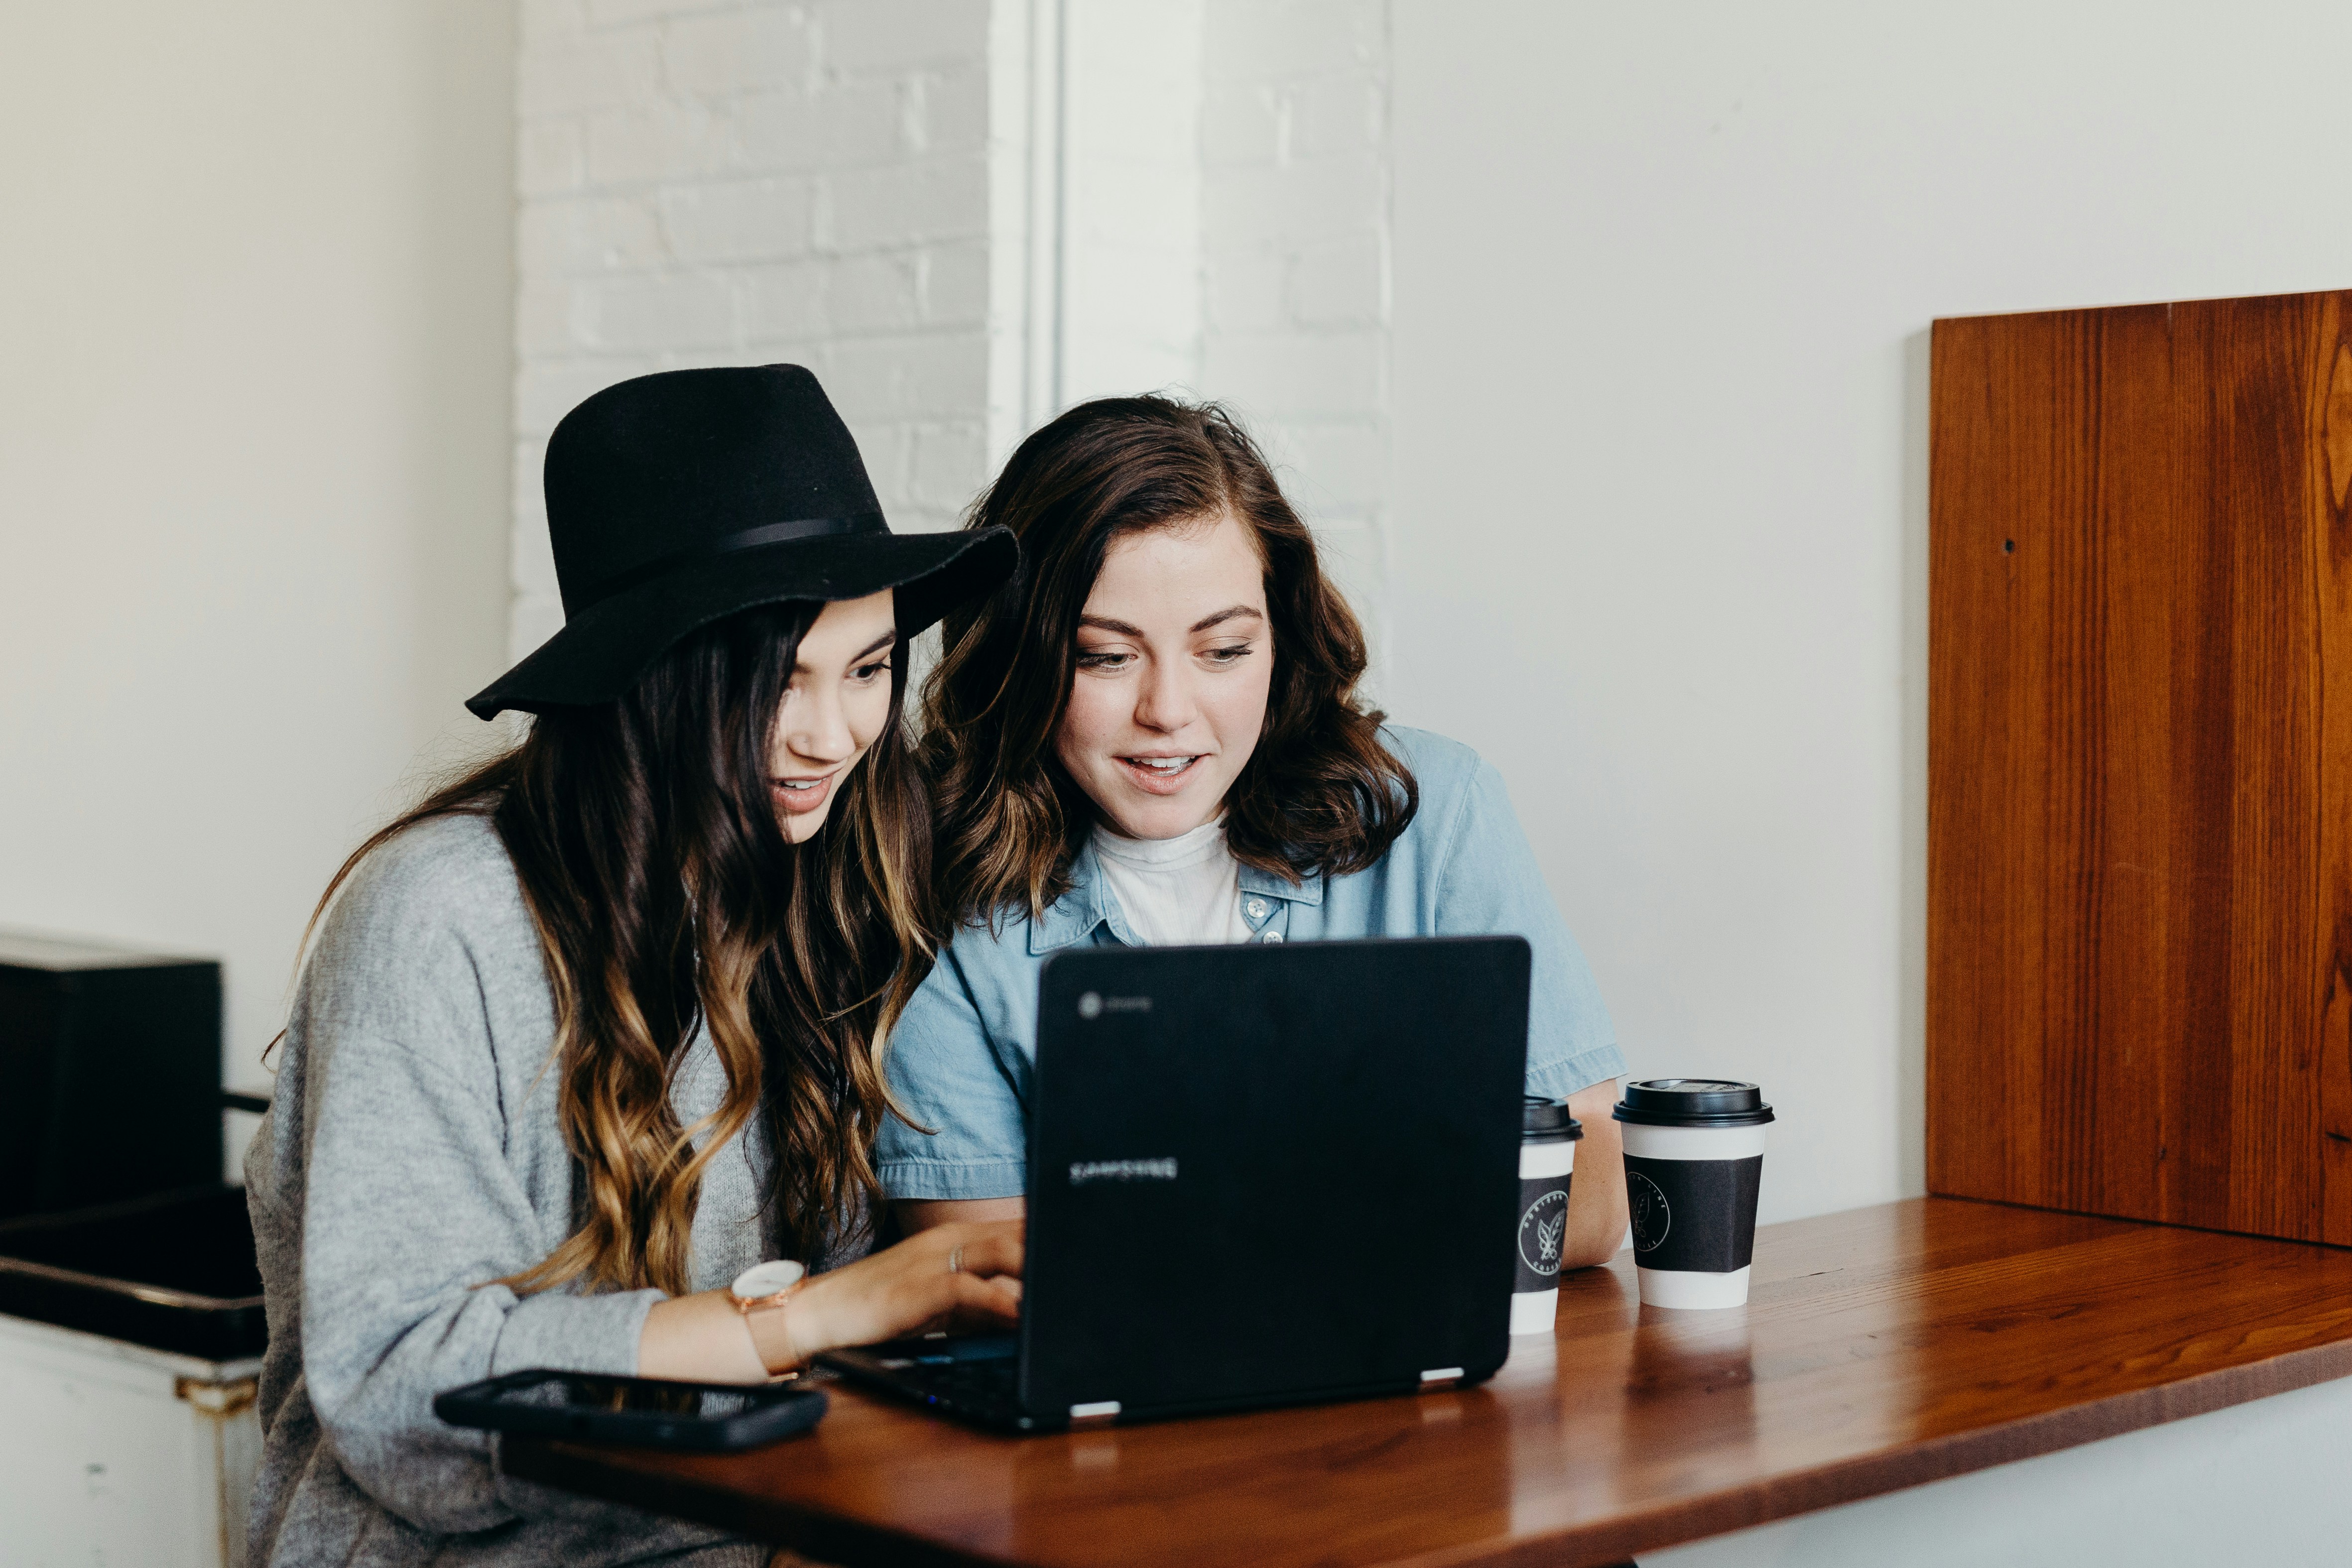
815,793
1164,779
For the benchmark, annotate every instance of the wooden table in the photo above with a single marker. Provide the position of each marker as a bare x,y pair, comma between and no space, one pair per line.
1881,1348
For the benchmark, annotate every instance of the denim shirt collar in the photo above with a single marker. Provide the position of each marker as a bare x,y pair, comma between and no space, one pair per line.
1073,917
1308,892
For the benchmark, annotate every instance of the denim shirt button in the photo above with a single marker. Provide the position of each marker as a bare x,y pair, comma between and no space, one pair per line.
1258,909
1271,937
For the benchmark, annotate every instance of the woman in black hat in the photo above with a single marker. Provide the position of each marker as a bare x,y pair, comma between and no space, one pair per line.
584,1067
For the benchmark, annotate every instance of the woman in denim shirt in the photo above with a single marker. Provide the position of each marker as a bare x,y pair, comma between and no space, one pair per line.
1153,736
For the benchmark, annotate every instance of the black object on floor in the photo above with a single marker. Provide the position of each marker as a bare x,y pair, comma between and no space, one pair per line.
174,1271
109,1074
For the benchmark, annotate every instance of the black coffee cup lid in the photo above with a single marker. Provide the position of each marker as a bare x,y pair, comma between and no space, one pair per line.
1693,1103
1543,1121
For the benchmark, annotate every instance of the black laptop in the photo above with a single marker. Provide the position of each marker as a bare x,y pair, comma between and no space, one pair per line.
1258,1174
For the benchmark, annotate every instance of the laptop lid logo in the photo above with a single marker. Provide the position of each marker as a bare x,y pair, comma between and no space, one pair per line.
1093,1004
1083,1172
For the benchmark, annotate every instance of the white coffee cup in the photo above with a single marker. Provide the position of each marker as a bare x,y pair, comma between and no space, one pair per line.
1547,1136
1694,1162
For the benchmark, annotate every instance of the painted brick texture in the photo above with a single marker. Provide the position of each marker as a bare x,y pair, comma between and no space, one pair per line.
704,184
1294,259
841,183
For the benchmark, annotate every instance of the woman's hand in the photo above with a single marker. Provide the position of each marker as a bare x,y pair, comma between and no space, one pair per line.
900,1290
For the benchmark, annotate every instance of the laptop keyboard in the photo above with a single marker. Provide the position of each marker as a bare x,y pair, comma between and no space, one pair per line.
980,1371
989,1382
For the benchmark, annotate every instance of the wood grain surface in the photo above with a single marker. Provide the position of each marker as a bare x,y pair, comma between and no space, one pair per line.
2139,914
1880,1348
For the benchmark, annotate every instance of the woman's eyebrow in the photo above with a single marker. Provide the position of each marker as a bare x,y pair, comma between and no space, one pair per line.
800,667
1226,615
1105,623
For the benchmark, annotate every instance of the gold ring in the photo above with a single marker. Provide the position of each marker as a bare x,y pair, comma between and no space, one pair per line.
955,1260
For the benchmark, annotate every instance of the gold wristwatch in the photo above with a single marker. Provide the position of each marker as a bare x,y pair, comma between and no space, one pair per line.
761,1287
765,1285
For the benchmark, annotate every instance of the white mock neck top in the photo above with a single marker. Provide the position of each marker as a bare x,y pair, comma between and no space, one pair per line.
1180,890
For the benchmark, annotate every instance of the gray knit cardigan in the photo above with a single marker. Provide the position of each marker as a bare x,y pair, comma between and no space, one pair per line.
412,1155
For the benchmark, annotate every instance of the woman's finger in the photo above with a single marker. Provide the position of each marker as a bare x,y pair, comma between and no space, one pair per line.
998,1253
987,1297
982,1293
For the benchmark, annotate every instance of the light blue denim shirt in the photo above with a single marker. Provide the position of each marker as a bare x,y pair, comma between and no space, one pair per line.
961,1056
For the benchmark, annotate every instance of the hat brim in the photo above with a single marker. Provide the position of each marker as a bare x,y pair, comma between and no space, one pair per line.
603,651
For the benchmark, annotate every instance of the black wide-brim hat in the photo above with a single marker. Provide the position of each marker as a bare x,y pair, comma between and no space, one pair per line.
678,499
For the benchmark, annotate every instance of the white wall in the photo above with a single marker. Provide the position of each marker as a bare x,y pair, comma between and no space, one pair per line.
1220,230
1295,240
1130,208
254,363
1663,276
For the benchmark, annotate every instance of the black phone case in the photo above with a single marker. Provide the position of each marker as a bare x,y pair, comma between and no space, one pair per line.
777,1412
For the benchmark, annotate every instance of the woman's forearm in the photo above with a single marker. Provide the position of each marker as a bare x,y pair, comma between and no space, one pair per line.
922,1214
700,1338
1596,1195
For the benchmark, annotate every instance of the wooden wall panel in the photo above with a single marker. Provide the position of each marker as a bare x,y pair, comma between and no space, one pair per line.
2139,926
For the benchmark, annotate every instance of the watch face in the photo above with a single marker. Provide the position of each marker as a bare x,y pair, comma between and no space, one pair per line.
765,1279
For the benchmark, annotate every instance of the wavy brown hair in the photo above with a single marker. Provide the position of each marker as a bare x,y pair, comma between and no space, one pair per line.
665,897
1320,792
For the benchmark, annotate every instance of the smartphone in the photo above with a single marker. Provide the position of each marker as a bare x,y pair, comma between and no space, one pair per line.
644,1412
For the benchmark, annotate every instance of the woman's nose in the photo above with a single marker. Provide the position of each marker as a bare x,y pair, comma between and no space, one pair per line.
816,727
1165,702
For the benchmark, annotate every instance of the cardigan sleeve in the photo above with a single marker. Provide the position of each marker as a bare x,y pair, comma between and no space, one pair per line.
411,1211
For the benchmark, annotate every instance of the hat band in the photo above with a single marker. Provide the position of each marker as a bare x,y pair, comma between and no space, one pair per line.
728,544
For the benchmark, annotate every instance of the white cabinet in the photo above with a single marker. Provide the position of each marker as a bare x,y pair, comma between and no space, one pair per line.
115,1456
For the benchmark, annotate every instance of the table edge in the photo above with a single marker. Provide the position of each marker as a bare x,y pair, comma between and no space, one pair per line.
781,1523
773,1521
1882,1472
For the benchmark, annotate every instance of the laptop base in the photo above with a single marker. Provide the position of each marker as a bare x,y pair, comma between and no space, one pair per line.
975,1378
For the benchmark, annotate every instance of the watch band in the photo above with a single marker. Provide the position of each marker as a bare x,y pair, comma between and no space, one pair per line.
751,1296
747,1305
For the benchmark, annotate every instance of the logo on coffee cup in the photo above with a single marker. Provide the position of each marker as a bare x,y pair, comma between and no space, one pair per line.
1652,1217
1090,1005
1540,1228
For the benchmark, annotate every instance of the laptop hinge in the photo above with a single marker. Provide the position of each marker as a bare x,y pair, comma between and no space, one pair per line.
1438,1377
1102,1413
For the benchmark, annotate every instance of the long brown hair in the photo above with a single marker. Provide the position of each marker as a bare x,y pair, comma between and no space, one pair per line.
1320,792
667,896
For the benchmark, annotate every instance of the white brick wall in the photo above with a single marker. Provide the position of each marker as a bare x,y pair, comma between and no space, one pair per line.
1295,242
965,214
1223,230
1131,198
744,182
